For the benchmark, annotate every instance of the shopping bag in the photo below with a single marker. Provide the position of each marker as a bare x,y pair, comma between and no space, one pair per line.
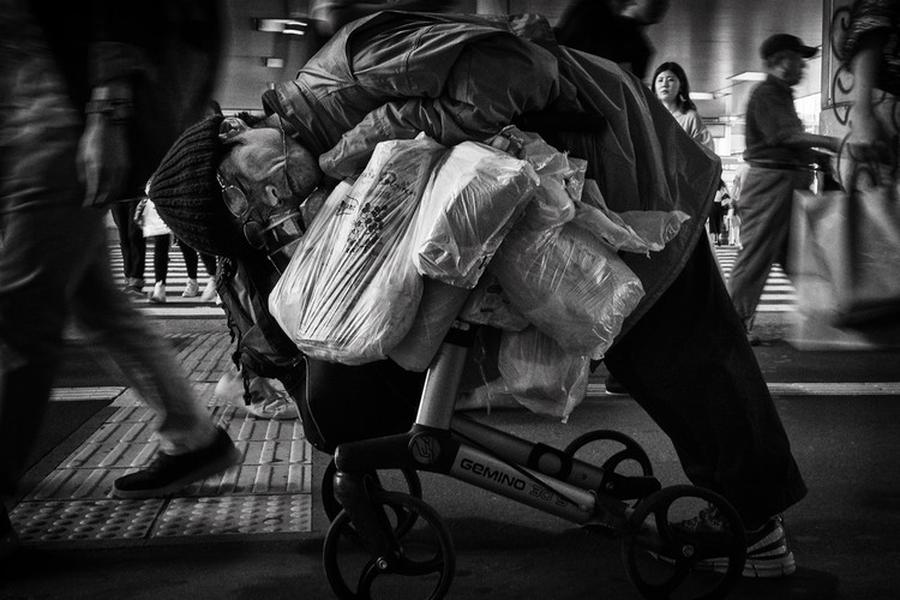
146,216
856,237
350,292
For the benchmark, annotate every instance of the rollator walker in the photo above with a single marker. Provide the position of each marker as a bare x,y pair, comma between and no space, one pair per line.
390,544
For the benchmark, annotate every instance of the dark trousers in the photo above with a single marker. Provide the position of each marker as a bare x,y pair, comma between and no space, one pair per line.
687,362
766,199
161,245
131,239
192,258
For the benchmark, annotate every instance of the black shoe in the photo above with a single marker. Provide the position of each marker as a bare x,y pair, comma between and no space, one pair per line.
168,473
614,386
753,339
9,541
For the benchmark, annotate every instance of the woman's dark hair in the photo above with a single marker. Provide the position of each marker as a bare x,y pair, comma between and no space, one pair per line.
684,89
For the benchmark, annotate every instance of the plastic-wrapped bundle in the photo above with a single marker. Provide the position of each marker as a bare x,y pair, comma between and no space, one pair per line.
535,373
476,194
350,292
540,375
639,231
568,283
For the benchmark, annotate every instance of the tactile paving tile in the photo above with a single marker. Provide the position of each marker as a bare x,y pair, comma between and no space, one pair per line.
67,520
270,513
269,491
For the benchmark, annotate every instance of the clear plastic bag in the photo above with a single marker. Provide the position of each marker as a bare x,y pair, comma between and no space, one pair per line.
350,292
540,375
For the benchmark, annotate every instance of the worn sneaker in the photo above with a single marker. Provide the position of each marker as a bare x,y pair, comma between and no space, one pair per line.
269,402
191,289
209,292
169,473
158,295
768,553
134,288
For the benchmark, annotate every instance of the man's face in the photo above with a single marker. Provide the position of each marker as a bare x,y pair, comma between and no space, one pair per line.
265,176
276,169
792,66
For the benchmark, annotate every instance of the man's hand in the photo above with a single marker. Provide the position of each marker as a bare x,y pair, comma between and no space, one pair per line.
103,161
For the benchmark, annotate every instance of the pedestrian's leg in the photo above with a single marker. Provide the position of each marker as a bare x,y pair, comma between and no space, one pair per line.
191,260
119,212
43,251
191,288
209,292
44,234
209,263
687,362
765,210
144,358
161,244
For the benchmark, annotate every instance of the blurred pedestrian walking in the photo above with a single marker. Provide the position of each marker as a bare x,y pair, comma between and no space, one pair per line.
91,96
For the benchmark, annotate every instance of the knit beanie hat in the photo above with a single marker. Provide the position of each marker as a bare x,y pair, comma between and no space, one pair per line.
187,195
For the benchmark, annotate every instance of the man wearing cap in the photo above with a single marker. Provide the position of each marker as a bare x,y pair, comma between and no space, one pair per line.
781,158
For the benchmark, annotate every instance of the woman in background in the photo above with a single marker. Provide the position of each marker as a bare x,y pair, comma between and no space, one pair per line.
671,86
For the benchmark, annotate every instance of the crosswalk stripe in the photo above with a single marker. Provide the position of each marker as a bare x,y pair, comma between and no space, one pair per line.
779,294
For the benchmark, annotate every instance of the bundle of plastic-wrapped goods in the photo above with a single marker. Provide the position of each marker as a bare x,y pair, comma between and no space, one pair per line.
475,194
569,284
350,292
535,373
472,201
540,375
638,231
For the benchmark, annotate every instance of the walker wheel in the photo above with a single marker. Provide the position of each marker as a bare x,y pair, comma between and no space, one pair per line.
384,479
421,564
632,451
666,558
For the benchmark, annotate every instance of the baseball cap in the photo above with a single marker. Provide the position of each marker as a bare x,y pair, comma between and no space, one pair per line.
785,41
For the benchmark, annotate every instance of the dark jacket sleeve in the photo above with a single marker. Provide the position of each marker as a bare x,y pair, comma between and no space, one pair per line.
492,81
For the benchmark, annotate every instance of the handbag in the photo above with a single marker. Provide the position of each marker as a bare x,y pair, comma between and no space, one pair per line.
149,220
